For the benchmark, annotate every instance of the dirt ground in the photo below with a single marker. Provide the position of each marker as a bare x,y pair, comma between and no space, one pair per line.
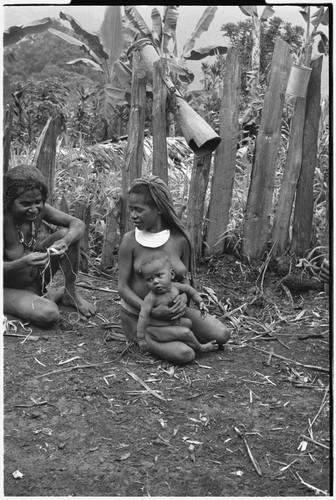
86,415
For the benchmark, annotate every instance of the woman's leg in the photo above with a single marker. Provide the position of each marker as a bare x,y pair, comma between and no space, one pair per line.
207,328
30,307
69,264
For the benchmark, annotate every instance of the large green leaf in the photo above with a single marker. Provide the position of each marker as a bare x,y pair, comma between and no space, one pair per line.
111,33
249,10
123,73
92,40
86,62
15,33
177,66
74,41
325,18
209,50
137,20
267,13
116,95
202,26
169,26
156,26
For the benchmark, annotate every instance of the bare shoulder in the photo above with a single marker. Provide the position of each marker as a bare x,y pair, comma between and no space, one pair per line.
178,237
128,242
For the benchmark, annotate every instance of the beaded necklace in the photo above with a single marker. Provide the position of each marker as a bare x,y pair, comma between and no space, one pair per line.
29,242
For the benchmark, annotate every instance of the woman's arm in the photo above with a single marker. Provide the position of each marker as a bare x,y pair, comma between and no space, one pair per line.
76,227
33,259
125,269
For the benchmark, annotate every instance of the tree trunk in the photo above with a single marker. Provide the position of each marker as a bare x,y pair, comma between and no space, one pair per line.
290,178
225,156
111,236
136,126
304,203
255,64
259,202
198,186
160,91
83,212
7,137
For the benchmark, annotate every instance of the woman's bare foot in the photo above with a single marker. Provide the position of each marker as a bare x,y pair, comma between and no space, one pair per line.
209,346
83,306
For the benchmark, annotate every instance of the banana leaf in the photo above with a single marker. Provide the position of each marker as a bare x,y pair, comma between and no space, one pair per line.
249,10
137,20
123,73
209,50
86,62
267,13
74,41
92,40
15,33
115,95
177,66
156,27
202,26
169,27
111,33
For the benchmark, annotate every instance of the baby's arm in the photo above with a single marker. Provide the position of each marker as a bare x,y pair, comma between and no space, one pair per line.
191,292
145,311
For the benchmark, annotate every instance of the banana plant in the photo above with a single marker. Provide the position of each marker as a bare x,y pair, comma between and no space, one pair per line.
321,16
163,37
102,55
252,11
15,33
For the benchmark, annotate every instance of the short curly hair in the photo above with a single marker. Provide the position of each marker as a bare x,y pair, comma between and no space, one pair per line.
22,178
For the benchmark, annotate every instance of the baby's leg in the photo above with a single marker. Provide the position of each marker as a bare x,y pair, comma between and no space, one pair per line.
30,307
180,333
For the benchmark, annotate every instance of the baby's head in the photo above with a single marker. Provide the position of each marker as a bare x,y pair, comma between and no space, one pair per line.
157,271
20,179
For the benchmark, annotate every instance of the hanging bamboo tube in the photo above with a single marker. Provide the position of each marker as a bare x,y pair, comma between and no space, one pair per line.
201,138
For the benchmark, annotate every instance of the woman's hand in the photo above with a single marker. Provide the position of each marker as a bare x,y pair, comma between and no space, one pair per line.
173,312
60,247
36,259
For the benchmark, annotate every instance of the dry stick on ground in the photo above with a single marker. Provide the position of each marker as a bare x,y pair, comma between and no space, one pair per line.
315,442
317,368
138,379
96,365
253,460
316,490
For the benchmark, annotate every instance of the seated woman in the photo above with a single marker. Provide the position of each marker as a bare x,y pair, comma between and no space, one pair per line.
158,227
28,265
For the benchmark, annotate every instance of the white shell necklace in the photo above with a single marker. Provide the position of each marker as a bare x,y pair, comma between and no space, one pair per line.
151,240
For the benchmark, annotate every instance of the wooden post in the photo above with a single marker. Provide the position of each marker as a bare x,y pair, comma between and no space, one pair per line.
111,236
83,212
289,182
225,155
160,91
136,127
7,137
304,203
45,154
198,186
259,201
